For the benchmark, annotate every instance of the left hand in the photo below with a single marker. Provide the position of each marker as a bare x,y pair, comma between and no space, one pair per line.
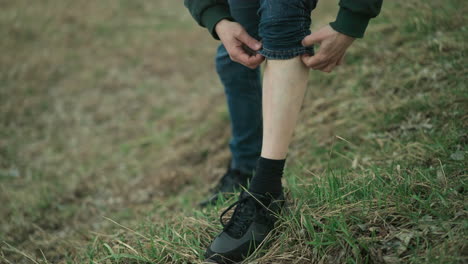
333,46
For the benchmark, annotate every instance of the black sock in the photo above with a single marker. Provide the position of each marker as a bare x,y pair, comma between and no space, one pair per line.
267,178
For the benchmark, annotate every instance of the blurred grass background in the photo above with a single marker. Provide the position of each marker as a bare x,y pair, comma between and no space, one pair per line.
113,121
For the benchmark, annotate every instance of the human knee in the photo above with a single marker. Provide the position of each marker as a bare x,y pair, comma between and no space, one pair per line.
283,25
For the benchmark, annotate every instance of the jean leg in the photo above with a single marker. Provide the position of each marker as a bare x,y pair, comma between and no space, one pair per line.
283,25
243,91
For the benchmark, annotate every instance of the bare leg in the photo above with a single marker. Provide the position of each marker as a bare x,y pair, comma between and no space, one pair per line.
284,85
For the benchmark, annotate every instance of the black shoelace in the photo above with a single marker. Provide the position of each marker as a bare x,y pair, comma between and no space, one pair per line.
242,217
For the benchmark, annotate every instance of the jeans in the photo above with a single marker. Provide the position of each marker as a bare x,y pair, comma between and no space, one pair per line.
280,25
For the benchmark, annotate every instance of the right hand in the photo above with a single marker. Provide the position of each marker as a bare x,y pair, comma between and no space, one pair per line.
333,46
235,38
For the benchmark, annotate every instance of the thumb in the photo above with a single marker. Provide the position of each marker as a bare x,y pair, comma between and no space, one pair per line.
311,39
252,43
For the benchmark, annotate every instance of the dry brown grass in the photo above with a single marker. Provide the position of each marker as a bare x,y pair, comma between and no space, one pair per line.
96,108
112,121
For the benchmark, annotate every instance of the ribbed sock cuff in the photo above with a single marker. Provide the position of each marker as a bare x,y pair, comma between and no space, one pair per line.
268,176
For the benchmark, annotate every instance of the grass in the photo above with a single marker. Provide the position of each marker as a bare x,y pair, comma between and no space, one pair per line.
113,121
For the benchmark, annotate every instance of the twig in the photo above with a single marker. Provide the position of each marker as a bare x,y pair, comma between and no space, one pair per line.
13,249
127,228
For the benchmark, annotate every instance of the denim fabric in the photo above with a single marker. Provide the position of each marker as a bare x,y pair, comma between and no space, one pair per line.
281,25
243,93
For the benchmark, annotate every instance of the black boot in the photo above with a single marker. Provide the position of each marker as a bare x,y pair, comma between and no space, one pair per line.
231,182
254,217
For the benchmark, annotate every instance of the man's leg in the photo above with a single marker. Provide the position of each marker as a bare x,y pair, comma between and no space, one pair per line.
284,86
243,91
284,23
283,26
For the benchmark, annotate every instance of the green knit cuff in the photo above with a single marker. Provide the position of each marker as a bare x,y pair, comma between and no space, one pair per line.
350,23
212,15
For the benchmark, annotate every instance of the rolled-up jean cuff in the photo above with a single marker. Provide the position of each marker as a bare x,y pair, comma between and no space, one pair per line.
286,54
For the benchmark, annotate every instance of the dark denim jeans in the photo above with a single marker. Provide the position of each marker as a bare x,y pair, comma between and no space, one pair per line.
280,25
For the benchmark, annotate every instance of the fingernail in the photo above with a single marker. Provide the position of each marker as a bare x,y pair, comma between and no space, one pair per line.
258,46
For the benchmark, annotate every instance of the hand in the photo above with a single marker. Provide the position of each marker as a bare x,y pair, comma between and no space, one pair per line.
238,42
333,46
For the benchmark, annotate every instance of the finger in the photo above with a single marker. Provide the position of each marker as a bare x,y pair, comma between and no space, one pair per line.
248,50
329,68
313,61
321,67
256,61
325,66
248,61
250,42
311,39
235,54
320,64
253,61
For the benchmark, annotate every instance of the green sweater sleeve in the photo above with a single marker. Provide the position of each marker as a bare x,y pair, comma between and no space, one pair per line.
352,19
354,15
208,13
